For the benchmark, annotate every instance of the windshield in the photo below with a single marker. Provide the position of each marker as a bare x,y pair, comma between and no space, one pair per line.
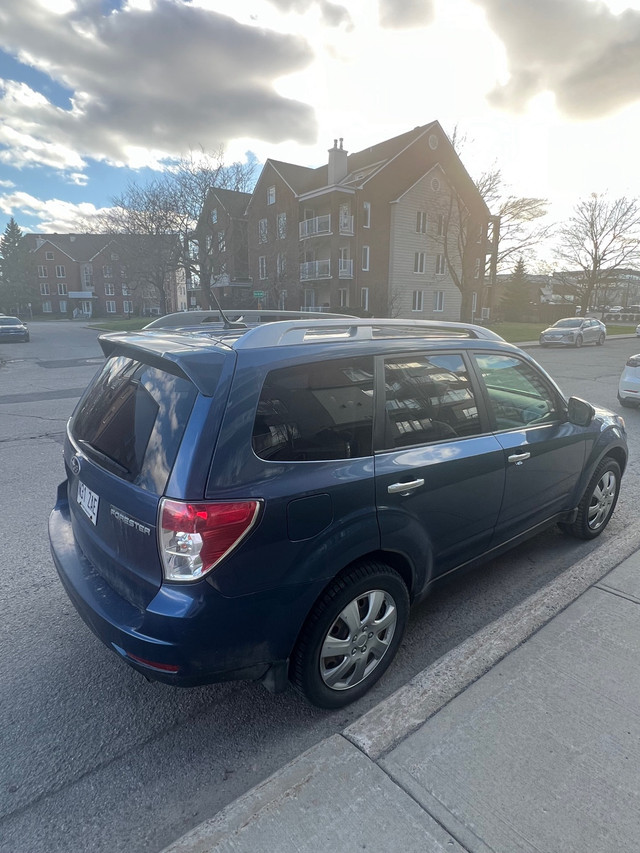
10,321
569,323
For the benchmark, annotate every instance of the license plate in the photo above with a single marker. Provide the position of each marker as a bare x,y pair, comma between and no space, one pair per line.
88,502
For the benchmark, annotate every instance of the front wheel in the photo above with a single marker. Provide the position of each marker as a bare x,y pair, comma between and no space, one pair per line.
351,636
600,340
598,501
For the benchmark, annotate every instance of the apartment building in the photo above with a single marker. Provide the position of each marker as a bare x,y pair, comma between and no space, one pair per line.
390,231
87,275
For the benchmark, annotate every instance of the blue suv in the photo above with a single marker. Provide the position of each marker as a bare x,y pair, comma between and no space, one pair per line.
266,502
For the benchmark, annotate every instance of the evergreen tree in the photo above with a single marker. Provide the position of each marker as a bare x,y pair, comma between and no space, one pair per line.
14,258
514,304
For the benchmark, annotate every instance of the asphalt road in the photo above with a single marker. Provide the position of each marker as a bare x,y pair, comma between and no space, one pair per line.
93,757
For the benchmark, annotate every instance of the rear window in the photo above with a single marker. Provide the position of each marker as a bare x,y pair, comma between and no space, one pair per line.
132,420
317,411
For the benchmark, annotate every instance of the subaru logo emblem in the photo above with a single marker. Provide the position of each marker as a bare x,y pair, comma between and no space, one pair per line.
75,465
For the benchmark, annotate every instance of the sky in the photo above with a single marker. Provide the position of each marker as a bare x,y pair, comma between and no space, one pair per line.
95,94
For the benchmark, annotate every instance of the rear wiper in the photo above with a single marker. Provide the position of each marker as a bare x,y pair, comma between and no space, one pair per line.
103,457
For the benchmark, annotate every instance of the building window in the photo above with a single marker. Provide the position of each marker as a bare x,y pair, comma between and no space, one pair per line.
62,289
282,226
262,231
114,257
48,256
421,222
441,221
111,306
43,272
271,195
46,307
282,300
214,215
474,303
109,289
125,290
365,258
107,272
63,306
364,298
44,288
418,300
440,265
127,306
343,297
435,185
262,265
438,300
281,262
419,261
60,271
476,272
87,276
222,243
366,215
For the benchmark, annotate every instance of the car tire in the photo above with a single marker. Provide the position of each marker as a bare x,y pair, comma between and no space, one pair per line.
628,404
598,502
600,340
578,342
351,636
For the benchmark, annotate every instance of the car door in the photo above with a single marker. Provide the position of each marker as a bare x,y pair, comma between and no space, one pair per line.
544,453
439,472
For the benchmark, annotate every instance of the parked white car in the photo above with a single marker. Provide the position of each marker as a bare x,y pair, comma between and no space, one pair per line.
574,332
629,384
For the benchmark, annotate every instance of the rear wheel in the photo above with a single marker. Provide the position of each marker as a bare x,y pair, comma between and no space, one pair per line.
579,341
598,501
351,636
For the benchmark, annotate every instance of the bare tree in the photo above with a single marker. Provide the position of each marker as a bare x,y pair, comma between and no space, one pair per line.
522,230
600,239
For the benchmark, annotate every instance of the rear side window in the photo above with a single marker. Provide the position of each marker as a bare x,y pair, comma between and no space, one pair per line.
428,398
132,421
316,411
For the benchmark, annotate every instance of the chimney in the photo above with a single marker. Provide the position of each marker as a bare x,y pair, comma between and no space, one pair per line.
337,164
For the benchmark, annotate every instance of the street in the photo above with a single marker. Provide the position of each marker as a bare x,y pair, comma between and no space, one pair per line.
96,758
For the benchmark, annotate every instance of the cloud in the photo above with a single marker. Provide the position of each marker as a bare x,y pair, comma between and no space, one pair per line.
52,215
405,14
161,79
579,50
332,14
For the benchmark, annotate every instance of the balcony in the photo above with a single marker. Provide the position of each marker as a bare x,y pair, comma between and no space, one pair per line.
315,227
346,225
315,270
345,268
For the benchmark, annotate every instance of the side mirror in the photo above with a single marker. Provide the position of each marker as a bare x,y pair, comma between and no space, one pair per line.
580,412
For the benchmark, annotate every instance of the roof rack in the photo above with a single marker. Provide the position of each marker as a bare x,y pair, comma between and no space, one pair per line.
290,332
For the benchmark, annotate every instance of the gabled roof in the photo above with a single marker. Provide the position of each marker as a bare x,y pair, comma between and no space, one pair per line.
233,201
79,247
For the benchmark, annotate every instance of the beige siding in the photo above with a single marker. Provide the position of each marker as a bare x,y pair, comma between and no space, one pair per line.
405,241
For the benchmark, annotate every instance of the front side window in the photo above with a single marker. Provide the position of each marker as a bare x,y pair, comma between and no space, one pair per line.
314,412
428,398
518,395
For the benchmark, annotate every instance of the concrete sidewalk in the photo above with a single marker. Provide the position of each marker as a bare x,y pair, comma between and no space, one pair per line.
540,753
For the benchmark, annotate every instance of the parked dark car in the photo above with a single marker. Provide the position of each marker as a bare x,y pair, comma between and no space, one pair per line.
267,502
13,329
574,332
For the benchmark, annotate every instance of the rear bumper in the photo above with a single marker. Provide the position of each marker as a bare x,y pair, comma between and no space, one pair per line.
188,634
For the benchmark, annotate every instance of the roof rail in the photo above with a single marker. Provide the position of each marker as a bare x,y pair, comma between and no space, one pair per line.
290,332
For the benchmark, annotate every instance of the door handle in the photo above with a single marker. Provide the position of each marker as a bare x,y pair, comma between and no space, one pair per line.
405,488
518,457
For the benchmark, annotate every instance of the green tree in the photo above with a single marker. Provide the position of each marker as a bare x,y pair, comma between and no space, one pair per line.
14,261
514,304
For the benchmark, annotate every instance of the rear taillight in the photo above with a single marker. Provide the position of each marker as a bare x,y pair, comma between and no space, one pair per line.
633,361
194,537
